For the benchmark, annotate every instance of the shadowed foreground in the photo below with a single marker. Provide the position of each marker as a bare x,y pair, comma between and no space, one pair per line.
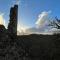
30,47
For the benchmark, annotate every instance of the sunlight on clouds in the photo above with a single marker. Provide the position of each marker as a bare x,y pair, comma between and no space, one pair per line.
42,18
2,20
21,29
42,24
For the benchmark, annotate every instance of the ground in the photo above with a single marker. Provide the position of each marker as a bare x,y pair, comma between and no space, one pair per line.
30,47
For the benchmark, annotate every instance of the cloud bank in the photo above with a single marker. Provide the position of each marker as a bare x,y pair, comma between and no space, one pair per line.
41,24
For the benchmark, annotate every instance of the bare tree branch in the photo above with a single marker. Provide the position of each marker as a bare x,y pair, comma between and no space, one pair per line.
55,23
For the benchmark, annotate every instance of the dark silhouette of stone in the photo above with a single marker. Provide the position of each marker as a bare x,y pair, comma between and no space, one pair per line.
12,26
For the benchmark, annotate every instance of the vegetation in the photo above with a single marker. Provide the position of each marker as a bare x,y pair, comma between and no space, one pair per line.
55,23
30,47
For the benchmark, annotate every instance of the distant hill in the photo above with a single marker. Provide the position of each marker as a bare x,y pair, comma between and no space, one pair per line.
44,47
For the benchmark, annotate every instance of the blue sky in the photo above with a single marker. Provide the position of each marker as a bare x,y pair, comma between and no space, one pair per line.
30,9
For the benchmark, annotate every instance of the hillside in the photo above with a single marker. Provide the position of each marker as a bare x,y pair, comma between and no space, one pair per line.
44,47
30,47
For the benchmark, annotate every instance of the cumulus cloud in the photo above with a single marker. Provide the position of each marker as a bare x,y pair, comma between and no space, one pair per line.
41,24
43,19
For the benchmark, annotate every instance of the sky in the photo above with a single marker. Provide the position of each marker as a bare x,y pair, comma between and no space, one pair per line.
31,13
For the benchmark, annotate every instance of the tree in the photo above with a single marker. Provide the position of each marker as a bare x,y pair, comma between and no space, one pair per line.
55,23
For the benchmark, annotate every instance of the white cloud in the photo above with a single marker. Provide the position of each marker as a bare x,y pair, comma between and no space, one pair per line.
42,19
2,20
35,30
42,25
21,29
